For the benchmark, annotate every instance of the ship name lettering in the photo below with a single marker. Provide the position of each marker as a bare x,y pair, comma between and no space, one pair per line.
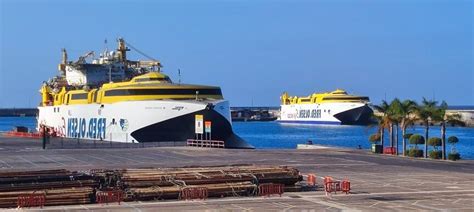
315,113
95,128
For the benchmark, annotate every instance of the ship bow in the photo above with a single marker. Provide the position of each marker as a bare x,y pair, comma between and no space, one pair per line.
356,116
182,128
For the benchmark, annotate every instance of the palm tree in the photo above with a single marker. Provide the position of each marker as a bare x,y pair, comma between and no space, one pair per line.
384,121
379,135
395,108
441,116
425,113
404,113
416,139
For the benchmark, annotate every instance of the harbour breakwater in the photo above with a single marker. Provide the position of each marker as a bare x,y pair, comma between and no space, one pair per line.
254,113
18,112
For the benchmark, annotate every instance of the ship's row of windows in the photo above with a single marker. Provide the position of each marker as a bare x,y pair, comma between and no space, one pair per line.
78,96
315,113
347,98
137,92
166,79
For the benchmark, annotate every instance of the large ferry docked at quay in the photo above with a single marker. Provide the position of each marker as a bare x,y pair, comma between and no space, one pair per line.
112,98
336,107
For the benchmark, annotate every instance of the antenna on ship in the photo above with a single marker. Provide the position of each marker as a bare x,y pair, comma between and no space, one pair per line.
123,49
110,74
62,65
105,45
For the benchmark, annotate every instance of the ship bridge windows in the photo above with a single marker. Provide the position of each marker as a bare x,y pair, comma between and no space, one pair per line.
164,79
78,96
163,91
347,98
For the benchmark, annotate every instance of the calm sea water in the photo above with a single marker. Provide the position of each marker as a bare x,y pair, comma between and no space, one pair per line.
273,135
7,123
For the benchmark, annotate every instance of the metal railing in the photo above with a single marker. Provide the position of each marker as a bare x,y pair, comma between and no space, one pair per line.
75,143
205,143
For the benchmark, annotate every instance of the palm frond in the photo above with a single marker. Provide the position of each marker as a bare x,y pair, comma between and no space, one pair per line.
429,103
443,105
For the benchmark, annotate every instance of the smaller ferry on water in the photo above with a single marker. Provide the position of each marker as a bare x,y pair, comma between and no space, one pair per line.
336,107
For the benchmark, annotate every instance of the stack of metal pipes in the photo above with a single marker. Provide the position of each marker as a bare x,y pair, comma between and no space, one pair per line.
58,187
166,183
63,187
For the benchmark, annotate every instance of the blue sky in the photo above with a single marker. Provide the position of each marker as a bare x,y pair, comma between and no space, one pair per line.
254,50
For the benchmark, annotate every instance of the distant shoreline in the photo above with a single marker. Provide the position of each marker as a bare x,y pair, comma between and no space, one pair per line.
18,112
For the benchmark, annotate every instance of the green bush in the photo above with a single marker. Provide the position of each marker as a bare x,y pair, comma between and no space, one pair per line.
417,139
408,135
454,156
415,153
435,154
374,138
453,139
435,142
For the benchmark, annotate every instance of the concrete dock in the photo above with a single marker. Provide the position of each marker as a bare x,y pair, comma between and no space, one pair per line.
378,182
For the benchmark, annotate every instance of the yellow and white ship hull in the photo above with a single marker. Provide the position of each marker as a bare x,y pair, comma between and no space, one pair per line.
140,121
338,113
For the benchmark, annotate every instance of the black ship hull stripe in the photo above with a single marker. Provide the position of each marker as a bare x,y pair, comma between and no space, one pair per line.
356,116
182,128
